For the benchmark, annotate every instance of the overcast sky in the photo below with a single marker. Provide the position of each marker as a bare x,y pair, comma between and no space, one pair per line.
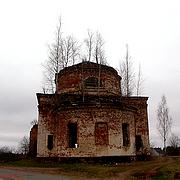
150,27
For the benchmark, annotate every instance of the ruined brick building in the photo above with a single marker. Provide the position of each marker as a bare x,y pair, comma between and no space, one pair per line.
89,117
33,141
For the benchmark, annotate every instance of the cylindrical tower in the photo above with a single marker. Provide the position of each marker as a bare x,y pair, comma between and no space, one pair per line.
89,78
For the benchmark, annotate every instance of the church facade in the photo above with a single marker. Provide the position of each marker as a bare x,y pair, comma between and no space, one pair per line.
89,117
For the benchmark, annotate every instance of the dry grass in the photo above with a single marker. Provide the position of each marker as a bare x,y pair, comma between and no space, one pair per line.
160,168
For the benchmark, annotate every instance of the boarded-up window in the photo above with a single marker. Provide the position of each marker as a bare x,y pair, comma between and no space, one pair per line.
72,127
139,142
91,82
125,131
101,134
50,142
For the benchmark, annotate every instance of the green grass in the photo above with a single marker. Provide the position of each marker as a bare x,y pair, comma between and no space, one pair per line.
170,171
92,170
161,168
28,163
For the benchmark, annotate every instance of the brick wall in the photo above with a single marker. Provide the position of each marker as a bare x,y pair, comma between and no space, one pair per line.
33,140
97,114
71,80
86,119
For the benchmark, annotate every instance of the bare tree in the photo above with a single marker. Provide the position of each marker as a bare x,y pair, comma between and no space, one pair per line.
174,141
127,74
89,43
164,120
54,62
75,48
62,53
6,149
94,46
140,81
24,145
99,53
69,51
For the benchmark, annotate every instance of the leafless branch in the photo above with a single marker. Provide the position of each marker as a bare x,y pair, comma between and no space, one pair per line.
164,120
174,141
89,42
24,145
140,80
62,53
99,53
127,74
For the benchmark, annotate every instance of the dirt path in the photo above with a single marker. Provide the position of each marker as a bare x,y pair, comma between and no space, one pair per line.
134,170
144,171
24,174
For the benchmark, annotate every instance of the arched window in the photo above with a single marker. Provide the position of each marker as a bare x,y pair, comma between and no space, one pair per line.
92,82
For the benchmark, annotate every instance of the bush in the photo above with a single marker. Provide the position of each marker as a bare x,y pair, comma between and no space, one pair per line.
6,157
173,151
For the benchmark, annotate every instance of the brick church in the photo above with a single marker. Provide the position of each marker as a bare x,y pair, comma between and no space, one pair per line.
88,116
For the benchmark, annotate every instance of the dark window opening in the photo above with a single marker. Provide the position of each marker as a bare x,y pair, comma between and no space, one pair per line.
92,82
101,134
34,153
50,142
125,131
139,142
72,135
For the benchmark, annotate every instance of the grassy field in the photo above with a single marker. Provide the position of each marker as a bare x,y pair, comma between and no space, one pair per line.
160,168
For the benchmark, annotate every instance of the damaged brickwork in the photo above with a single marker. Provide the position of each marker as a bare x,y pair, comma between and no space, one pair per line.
33,141
88,117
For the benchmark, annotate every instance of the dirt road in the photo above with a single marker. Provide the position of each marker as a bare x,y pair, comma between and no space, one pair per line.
14,174
167,167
